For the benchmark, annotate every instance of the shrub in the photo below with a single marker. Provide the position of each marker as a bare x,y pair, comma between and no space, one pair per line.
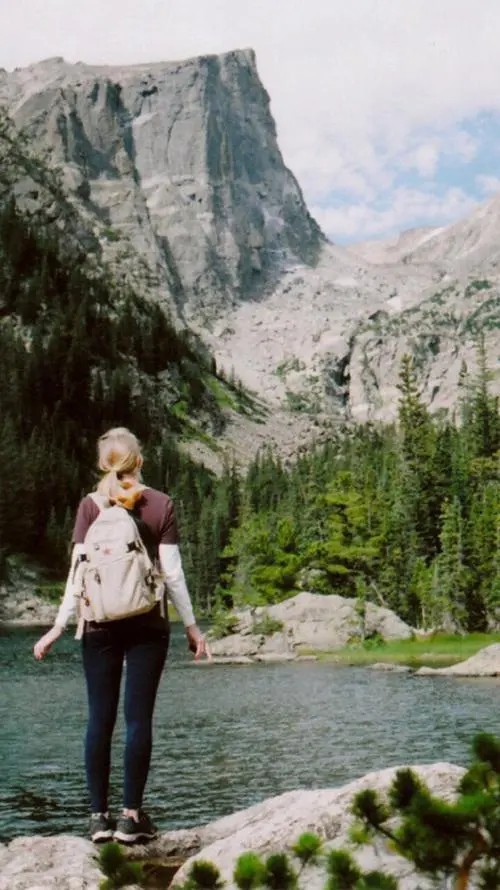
223,624
266,625
118,870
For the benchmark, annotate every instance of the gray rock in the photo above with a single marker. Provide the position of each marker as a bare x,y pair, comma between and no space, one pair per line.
236,659
310,620
485,663
33,863
275,824
65,862
19,602
391,668
181,161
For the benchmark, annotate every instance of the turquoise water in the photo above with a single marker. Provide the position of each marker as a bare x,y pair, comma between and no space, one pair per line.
225,736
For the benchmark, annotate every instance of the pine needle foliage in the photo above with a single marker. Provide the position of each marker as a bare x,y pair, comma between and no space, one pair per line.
249,871
406,516
279,873
443,839
308,848
119,871
203,875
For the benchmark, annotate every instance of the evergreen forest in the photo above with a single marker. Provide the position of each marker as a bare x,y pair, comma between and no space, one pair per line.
406,515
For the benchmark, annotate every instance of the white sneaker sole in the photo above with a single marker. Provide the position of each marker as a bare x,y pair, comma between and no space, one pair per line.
132,838
105,835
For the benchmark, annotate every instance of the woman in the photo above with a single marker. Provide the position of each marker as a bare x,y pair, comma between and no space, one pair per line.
141,640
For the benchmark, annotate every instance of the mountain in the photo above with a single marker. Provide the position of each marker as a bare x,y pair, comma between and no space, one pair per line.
181,161
176,169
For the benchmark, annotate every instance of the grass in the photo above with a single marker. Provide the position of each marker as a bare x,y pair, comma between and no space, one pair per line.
440,650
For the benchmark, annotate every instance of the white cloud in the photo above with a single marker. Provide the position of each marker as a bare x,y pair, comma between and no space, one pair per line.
407,208
425,160
488,185
361,91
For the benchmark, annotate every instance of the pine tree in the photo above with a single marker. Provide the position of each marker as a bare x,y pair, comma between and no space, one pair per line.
452,571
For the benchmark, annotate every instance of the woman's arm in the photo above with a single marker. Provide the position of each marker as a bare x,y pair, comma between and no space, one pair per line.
67,609
171,565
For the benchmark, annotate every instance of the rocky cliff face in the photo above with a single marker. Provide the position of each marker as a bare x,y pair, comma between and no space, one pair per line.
178,162
177,170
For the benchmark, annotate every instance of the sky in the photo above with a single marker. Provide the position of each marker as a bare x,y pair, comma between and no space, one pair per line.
387,111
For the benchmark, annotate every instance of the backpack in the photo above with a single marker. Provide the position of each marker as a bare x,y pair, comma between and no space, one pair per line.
116,577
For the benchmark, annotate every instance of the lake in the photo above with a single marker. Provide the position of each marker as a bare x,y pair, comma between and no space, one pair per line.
225,736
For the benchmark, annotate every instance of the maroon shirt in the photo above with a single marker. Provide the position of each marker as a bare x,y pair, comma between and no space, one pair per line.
156,510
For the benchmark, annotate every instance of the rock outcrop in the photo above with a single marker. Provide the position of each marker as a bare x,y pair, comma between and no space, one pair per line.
63,861
20,603
485,663
275,825
306,621
179,161
68,863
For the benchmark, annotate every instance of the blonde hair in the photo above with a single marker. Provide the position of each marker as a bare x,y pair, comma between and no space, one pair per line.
119,454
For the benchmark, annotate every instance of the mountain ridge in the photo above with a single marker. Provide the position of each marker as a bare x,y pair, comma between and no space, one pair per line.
178,168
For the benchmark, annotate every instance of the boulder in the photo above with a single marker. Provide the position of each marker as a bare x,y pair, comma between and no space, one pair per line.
275,824
485,663
63,861
69,863
19,601
311,620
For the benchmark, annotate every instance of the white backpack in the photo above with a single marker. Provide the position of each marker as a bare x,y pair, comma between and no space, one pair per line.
115,577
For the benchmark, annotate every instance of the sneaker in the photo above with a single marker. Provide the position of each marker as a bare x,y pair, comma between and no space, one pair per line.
128,831
101,827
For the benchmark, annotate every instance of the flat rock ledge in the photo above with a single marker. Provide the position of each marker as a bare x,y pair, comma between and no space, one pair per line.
309,621
485,663
68,863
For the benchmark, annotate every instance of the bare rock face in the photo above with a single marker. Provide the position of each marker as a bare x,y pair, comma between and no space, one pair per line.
275,825
33,863
308,620
181,161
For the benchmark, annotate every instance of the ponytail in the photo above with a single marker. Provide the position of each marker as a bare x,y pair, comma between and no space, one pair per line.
119,455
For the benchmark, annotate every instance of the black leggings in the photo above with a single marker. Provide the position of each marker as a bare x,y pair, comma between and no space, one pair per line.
143,649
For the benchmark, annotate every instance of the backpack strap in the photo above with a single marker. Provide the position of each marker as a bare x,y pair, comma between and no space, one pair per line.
99,499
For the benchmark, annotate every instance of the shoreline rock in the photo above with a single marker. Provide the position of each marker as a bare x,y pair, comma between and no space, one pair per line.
68,862
485,663
308,620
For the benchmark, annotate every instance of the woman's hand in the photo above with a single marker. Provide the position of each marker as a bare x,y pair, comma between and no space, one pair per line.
45,643
197,643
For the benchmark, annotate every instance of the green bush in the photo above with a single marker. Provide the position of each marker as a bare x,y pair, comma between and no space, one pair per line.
50,592
266,625
249,871
118,870
223,625
203,875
